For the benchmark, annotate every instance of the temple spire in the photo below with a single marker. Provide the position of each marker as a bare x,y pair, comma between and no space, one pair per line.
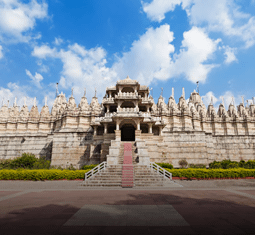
183,93
45,101
35,102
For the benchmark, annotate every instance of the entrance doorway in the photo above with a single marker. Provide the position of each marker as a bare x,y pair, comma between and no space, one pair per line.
127,132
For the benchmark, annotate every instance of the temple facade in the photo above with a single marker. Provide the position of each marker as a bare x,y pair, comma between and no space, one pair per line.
92,133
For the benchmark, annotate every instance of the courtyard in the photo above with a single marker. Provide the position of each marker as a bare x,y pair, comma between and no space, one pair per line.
187,207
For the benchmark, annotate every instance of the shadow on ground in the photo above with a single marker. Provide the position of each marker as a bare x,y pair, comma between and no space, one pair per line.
206,213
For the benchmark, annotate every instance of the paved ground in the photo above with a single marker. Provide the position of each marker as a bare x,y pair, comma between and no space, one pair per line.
186,207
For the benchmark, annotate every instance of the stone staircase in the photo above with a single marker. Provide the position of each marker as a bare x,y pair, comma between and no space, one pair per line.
110,177
127,173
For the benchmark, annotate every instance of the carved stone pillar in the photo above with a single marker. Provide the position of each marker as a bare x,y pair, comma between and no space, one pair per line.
150,128
95,130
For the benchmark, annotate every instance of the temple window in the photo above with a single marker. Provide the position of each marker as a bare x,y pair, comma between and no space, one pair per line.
127,104
155,130
113,109
127,89
144,128
142,108
100,130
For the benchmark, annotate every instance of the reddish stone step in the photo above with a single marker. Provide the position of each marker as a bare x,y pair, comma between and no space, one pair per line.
127,169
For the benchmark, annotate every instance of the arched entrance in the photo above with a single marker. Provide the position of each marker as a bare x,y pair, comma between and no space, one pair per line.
127,132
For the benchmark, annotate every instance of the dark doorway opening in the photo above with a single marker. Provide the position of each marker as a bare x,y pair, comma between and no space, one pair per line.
127,132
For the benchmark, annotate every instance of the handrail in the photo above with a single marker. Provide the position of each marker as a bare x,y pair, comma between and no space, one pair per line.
95,170
160,170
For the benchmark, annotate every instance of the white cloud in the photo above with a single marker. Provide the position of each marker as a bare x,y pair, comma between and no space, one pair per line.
222,16
1,52
157,9
44,51
18,18
197,48
230,55
36,79
14,90
58,41
82,68
149,57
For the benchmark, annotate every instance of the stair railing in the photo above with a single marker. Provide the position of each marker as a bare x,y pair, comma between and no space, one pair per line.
160,170
96,170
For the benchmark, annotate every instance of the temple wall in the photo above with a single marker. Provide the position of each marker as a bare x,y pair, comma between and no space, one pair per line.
12,146
76,148
199,148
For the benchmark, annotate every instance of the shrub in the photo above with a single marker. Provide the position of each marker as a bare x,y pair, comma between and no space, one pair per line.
27,160
250,164
197,166
86,167
212,173
226,164
41,174
5,163
166,165
183,163
42,163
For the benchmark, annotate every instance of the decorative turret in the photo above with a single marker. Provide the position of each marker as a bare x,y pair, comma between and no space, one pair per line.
45,112
34,111
84,106
24,112
95,106
4,111
59,105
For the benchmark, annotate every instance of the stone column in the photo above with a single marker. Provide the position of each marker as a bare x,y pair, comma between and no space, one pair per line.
107,108
105,128
138,125
117,125
150,128
160,130
95,130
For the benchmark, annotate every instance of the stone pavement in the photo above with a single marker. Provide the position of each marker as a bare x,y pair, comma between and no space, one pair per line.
64,207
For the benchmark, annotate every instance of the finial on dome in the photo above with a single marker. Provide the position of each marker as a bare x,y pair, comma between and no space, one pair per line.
183,93
161,94
233,101
211,100
8,103
72,92
84,92
15,102
151,92
45,101
35,102
127,77
25,101
95,92
172,92
247,105
222,98
242,100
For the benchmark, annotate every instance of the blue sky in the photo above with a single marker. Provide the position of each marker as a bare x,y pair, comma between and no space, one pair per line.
92,44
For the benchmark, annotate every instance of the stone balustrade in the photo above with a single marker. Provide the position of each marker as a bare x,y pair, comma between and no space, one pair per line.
127,110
